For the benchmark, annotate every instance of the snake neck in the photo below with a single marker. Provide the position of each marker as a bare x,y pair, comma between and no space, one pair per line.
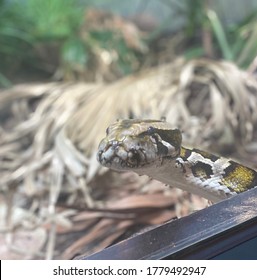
213,177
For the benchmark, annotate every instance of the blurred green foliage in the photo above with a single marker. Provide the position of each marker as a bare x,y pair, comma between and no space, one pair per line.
25,25
50,19
28,27
235,42
14,40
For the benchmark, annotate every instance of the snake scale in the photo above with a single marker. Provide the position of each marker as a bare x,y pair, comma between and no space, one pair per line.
153,148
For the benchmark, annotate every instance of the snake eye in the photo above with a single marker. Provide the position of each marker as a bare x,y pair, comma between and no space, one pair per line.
150,130
107,130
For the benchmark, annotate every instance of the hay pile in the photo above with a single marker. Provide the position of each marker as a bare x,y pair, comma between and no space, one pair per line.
57,202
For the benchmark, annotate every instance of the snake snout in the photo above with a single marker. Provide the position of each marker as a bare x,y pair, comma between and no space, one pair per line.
111,153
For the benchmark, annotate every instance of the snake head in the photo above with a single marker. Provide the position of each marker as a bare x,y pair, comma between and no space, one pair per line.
134,143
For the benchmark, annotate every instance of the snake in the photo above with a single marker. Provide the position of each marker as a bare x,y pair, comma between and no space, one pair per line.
154,148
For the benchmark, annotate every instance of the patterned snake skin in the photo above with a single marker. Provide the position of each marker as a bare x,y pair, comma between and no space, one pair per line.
153,148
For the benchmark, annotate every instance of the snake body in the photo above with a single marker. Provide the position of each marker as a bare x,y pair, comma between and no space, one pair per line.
153,148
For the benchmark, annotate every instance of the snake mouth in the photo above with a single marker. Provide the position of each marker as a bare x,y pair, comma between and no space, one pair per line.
115,155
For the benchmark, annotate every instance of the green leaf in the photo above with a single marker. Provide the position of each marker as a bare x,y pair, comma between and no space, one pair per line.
53,18
220,34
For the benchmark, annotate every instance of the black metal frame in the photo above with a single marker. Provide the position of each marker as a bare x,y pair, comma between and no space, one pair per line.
202,235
